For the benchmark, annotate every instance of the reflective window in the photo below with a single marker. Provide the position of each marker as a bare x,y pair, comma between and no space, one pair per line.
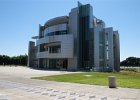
57,33
55,49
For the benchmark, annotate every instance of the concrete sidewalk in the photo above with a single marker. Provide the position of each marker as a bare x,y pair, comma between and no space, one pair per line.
15,84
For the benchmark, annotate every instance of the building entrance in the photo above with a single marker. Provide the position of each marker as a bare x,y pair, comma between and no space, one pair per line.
58,63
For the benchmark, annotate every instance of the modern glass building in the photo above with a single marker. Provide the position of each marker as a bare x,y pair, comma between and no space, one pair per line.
79,41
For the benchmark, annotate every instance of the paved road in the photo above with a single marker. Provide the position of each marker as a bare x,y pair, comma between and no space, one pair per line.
15,84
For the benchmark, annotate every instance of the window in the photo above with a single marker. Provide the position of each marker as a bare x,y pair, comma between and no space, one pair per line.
57,33
107,55
63,32
107,38
51,34
55,49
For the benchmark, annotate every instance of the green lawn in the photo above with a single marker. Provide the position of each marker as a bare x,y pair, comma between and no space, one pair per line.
124,79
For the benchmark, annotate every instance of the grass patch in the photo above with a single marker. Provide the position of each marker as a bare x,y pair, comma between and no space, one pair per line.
131,69
124,79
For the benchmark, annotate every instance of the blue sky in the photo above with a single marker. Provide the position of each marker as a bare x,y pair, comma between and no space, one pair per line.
19,21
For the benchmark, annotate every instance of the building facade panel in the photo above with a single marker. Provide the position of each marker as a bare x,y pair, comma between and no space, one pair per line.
96,48
79,41
110,51
65,41
65,38
116,51
55,28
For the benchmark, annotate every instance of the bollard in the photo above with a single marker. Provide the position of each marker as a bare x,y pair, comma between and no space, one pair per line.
112,82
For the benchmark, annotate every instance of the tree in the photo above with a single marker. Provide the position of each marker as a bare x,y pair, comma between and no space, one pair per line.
131,61
15,60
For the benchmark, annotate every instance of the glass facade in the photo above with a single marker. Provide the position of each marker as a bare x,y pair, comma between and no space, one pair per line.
51,49
85,42
53,63
57,33
41,31
55,49
84,33
102,49
42,48
57,63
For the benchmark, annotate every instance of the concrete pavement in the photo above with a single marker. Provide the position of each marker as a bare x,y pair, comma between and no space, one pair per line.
15,84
